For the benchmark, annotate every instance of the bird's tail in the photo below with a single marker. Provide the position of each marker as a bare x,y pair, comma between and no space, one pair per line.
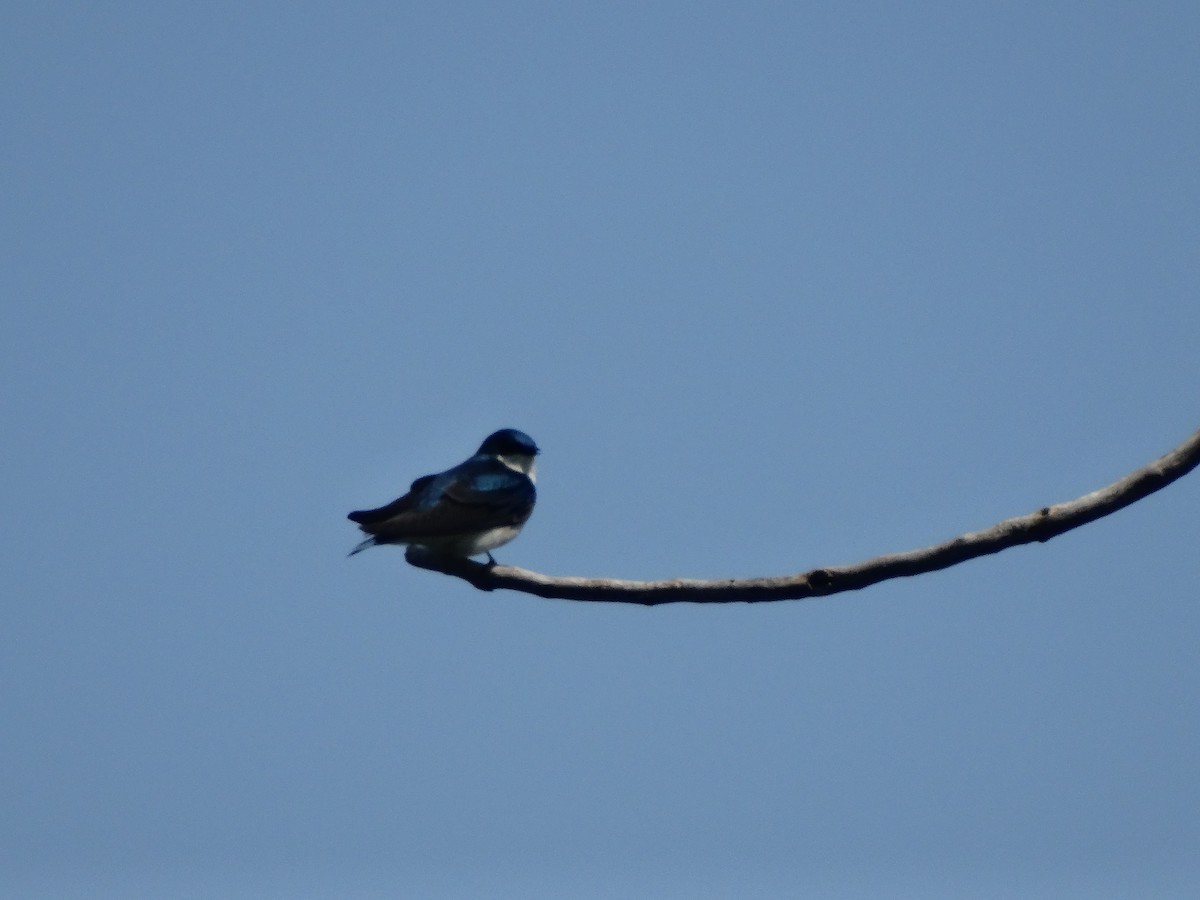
369,542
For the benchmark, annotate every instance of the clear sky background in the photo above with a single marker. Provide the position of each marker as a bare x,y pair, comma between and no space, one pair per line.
774,286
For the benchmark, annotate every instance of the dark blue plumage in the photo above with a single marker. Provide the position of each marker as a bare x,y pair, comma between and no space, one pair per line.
472,508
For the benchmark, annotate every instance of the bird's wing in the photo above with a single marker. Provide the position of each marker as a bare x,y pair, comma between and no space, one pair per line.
493,491
395,508
476,496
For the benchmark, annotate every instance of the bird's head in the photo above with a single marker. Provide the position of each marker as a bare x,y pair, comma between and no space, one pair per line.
514,448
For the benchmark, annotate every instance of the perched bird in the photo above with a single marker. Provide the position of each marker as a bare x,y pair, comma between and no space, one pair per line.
472,508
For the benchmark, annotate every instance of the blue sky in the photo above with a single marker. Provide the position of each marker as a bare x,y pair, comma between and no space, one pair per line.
773,285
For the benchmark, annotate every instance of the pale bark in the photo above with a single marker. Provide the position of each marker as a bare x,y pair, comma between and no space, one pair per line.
1045,523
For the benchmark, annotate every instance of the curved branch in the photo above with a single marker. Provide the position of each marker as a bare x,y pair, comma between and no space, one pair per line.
1047,522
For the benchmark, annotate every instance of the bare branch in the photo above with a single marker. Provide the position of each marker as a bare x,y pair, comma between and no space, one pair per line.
1047,522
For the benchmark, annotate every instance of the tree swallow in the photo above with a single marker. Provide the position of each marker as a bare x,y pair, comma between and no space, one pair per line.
470,509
